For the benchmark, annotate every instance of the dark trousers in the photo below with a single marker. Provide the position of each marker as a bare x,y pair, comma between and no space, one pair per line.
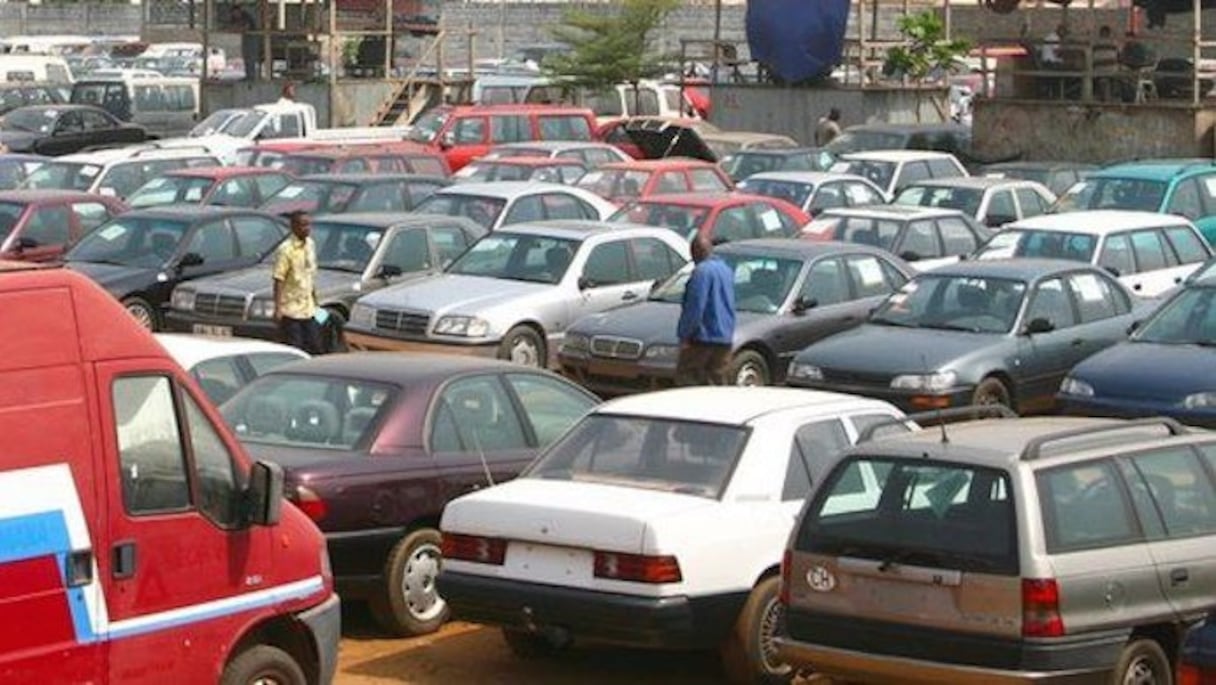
304,334
702,364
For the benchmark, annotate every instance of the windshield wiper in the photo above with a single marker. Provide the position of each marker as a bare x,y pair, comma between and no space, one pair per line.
942,326
891,322
339,267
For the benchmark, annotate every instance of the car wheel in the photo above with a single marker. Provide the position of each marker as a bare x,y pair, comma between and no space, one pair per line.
1142,662
144,313
263,665
992,391
750,368
523,345
410,603
526,645
749,655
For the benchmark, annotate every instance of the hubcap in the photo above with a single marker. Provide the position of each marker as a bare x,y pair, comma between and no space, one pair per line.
141,314
523,351
771,623
1140,672
266,680
418,584
749,375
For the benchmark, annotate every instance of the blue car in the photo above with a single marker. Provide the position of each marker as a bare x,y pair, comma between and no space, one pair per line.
1166,368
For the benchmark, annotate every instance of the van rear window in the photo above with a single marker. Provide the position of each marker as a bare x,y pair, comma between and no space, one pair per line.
925,513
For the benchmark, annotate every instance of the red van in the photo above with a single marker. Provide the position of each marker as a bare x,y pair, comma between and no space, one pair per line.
138,544
466,132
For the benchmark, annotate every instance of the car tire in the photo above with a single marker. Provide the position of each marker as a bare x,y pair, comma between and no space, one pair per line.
526,645
143,312
748,655
523,345
263,664
750,368
992,391
1142,662
409,603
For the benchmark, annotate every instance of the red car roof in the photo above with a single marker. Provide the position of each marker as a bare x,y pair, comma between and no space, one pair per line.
222,172
665,164
531,161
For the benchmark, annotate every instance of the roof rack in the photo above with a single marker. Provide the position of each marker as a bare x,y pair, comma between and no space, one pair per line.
973,412
1034,447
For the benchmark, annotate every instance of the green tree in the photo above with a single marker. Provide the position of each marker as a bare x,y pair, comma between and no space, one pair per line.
926,51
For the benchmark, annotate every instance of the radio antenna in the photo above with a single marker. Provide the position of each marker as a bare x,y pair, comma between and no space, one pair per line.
924,362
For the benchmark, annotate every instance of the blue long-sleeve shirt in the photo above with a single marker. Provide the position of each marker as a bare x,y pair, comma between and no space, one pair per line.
708,313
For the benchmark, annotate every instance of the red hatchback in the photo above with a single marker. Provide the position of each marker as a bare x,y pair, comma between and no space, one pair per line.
39,225
225,186
624,181
467,132
722,216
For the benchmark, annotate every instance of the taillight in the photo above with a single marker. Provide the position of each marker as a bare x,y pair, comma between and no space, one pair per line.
1188,674
310,503
1041,608
637,568
474,548
786,561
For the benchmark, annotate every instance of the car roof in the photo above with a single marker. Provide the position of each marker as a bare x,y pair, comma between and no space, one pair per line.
794,247
578,229
370,178
699,199
130,153
222,172
516,108
892,211
191,212
1156,169
729,405
189,350
394,368
1020,268
1098,221
533,161
658,164
551,145
780,151
502,189
895,155
35,196
973,182
389,219
815,177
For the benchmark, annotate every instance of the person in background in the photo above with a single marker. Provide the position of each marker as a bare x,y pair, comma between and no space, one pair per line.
295,299
240,20
1049,52
828,128
707,319
288,94
1106,63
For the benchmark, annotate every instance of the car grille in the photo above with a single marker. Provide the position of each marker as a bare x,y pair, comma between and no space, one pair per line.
850,377
219,305
413,323
616,348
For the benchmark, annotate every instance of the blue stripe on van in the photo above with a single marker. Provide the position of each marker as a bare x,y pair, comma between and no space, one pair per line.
33,535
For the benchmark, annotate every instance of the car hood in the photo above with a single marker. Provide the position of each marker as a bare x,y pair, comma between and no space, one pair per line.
652,322
1149,371
455,293
658,139
258,281
875,349
567,513
119,280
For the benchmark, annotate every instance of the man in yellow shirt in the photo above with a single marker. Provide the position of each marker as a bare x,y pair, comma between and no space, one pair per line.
295,301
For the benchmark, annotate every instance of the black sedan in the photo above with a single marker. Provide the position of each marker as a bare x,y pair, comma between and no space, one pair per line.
1003,331
142,255
788,294
334,193
744,163
64,129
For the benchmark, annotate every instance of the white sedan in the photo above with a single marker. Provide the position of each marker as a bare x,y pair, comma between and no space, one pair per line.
221,366
501,203
658,520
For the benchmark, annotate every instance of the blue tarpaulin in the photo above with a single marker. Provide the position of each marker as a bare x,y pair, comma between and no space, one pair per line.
797,39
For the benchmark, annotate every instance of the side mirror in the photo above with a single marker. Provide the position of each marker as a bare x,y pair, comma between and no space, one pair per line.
585,283
264,496
909,256
190,259
24,243
1135,326
1039,325
447,140
654,286
1114,271
389,271
802,304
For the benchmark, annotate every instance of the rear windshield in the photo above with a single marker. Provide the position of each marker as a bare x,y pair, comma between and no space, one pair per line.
922,513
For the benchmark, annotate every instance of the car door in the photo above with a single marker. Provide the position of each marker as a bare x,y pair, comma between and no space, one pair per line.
1001,209
67,136
1043,358
89,215
406,252
469,140
45,233
607,278
215,244
100,129
824,305
814,448
1101,308
550,406
958,239
1030,203
477,437
827,196
1155,265
1188,252
919,245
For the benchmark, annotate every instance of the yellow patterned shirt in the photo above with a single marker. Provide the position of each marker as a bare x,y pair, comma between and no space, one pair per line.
295,265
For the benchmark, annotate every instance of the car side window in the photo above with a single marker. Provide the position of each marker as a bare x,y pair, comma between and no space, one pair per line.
151,460
450,242
862,194
90,215
218,492
509,129
550,405
608,264
69,122
95,121
654,259
235,192
528,208
1001,207
213,242
828,195
672,182
1180,488
1187,246
257,235
943,168
865,271
911,173
1116,256
470,130
920,239
219,378
1031,202
733,223
48,226
444,435
957,237
408,251
1084,507
561,206
1093,296
482,415
705,180
825,283
1051,302
1185,200
269,184
1150,253
812,452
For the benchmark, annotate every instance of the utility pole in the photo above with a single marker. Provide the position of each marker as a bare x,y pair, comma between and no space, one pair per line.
713,79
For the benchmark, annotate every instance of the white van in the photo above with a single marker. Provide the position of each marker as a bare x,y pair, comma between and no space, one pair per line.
41,68
165,106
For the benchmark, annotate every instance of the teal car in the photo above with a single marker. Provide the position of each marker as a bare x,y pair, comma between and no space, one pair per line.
1186,187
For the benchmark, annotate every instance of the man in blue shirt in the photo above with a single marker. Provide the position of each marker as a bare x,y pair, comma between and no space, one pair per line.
707,319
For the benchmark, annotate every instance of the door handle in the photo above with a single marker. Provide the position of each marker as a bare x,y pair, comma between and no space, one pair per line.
124,559
79,569
1179,576
1177,280
1137,286
629,295
1077,342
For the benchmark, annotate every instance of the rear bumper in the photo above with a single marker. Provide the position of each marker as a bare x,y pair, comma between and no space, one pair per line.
325,626
677,622
182,322
369,342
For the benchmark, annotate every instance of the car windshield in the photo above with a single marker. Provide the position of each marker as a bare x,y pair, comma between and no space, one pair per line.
482,210
1112,193
966,303
344,246
1027,242
743,164
303,165
426,129
1189,318
146,242
244,125
682,219
31,120
316,196
966,200
308,411
618,183
517,257
793,192
10,212
168,190
861,141
878,173
682,457
762,284
214,123
919,513
483,172
63,176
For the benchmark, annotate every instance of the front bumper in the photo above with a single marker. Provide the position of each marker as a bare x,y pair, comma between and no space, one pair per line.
1133,408
677,622
617,376
178,321
324,623
908,401
371,342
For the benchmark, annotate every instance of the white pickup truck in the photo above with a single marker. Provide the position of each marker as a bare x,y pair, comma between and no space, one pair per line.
226,131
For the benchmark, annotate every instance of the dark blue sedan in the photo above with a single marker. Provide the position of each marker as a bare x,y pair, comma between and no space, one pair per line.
1166,368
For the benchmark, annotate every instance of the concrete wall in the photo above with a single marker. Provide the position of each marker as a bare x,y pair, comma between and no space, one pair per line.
356,102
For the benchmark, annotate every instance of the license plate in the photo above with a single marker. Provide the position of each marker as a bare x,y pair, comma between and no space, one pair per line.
208,329
618,369
560,565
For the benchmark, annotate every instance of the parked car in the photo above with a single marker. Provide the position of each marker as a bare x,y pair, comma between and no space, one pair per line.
64,129
788,294
503,203
988,332
142,255
1031,524
590,153
722,216
993,202
658,521
514,292
264,153
1197,658
924,237
227,186
39,225
346,193
116,173
624,181
892,170
1149,253
16,95
747,163
221,366
723,143
356,254
951,138
375,445
386,158
543,169
814,191
653,137
1185,188
15,168
466,132
1057,176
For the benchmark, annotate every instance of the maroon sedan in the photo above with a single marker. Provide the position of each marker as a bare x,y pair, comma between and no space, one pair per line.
374,445
224,186
39,225
722,216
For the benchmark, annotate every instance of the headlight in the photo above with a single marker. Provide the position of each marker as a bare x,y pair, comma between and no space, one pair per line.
467,326
929,382
1079,388
1200,400
576,343
363,316
662,352
262,309
807,372
183,299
